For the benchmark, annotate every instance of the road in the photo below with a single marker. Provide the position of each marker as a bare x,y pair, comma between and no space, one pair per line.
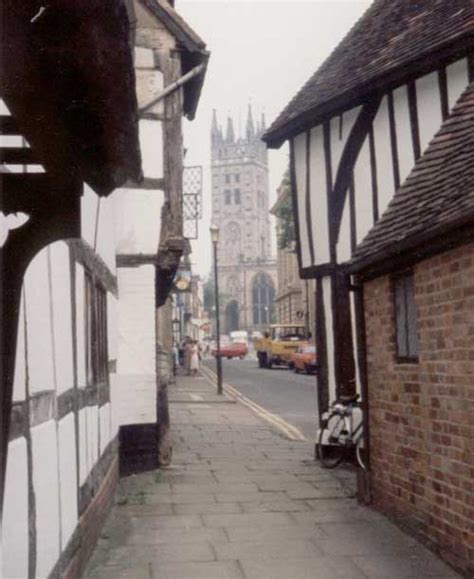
279,390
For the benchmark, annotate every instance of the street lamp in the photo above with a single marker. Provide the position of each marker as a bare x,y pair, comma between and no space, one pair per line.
214,229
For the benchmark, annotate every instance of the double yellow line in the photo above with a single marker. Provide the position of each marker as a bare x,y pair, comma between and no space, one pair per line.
287,429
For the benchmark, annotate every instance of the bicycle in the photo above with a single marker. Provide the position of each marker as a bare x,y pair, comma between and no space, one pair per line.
338,435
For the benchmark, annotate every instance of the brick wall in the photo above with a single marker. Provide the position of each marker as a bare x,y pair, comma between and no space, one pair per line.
422,415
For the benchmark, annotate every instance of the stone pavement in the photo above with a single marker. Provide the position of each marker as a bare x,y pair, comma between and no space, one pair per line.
241,501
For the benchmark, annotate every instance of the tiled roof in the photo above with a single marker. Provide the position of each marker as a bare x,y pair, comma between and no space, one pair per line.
438,195
389,37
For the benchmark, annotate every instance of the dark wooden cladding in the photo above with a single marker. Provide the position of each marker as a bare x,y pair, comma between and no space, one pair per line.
331,214
374,176
414,122
321,348
342,325
8,125
443,93
294,198
18,156
393,140
308,197
352,215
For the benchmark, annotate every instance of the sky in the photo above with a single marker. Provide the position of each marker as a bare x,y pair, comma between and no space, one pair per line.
262,52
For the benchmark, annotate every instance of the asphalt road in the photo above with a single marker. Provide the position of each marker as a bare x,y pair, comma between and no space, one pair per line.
279,390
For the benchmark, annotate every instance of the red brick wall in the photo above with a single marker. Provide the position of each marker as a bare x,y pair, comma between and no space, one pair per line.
422,415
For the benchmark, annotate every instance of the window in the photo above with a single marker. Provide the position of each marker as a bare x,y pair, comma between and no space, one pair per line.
237,196
405,318
96,349
237,177
227,197
227,178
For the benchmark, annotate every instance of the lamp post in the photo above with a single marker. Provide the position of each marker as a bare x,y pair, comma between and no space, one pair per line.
214,229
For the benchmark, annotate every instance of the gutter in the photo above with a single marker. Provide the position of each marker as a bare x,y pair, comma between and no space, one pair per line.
199,69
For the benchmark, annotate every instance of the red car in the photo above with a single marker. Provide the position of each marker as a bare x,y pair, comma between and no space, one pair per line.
232,350
304,360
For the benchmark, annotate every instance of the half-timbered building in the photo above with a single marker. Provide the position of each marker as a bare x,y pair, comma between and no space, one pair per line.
355,130
91,167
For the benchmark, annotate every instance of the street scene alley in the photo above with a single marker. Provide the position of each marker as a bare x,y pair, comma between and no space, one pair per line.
242,501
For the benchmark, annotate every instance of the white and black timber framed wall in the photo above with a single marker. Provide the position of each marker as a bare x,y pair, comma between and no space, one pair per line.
345,170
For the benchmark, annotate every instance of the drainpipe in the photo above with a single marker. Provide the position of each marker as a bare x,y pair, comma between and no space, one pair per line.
364,476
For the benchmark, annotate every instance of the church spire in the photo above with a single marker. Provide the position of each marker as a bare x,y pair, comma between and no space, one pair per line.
215,133
250,131
263,125
229,136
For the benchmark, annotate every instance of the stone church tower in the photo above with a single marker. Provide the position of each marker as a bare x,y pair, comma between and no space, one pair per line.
240,206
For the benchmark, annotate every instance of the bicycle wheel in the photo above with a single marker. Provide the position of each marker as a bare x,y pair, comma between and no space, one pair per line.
361,453
331,451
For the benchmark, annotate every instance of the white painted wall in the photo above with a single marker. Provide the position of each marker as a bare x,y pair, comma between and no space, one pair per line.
406,157
458,80
15,515
136,319
93,435
97,225
80,326
134,399
112,326
105,426
363,193
151,145
300,171
67,477
327,298
84,460
344,250
428,107
138,223
318,199
62,315
45,481
39,332
383,151
19,383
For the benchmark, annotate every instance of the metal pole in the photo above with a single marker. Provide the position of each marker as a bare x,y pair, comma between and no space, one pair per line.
218,331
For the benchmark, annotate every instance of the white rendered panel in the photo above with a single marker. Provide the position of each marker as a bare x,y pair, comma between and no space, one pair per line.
151,147
354,340
406,156
19,383
383,152
327,297
138,222
89,204
39,331
93,435
83,446
104,417
458,79
340,132
300,171
112,326
135,399
62,316
344,251
15,514
429,108
363,192
318,195
105,244
136,316
80,326
67,474
114,403
45,481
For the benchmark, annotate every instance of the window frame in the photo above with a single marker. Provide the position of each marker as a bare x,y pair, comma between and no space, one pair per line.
407,325
96,334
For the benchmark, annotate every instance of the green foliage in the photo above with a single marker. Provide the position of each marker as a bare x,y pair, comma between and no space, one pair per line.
210,298
286,232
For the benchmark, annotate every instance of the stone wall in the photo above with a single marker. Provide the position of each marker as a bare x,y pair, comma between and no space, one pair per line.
421,414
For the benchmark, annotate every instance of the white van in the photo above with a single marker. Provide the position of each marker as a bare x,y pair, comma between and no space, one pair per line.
240,337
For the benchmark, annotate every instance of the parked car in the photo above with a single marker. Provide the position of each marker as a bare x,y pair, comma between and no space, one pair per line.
304,360
232,350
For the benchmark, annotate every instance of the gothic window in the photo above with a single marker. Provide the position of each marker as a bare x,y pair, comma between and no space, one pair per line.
228,197
237,178
227,178
237,196
263,296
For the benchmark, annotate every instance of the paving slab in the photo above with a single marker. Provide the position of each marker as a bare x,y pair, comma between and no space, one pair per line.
241,501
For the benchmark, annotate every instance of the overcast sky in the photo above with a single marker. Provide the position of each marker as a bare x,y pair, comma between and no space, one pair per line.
262,51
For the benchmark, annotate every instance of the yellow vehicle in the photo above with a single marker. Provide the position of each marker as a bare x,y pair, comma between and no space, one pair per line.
277,344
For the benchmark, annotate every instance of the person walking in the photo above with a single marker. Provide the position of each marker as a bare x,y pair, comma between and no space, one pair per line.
194,364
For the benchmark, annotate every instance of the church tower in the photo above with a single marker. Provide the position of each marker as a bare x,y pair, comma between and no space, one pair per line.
240,206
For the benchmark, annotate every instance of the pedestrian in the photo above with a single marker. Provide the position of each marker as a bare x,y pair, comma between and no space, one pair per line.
187,355
194,362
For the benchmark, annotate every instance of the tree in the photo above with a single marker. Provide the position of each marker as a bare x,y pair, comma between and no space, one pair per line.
286,231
